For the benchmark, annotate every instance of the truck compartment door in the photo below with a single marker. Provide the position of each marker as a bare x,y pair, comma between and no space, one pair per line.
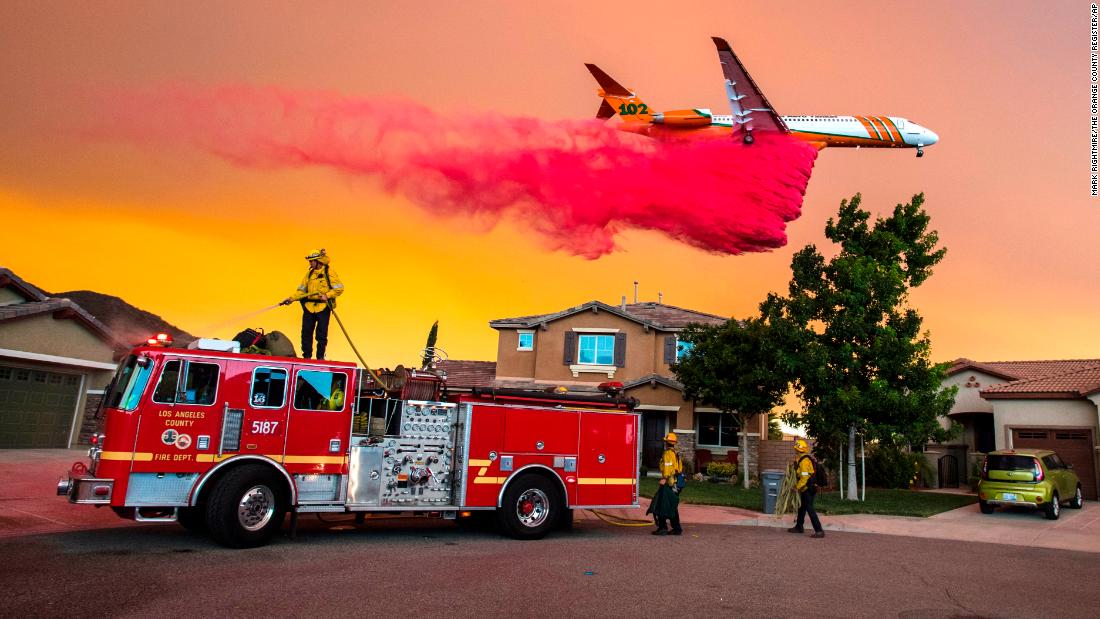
607,473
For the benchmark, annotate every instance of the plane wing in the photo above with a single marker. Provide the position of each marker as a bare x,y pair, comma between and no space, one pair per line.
750,107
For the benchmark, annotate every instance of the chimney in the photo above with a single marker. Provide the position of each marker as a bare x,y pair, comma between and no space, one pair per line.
624,303
635,291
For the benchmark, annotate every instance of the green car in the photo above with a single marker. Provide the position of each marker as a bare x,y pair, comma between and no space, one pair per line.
1028,478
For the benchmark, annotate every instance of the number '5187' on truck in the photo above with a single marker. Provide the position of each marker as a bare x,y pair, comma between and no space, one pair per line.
230,443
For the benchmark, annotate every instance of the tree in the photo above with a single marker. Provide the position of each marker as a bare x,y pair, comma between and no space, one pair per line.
736,368
861,360
429,348
775,430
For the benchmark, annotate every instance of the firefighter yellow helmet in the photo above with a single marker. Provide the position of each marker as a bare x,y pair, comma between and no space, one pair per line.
316,254
801,446
671,438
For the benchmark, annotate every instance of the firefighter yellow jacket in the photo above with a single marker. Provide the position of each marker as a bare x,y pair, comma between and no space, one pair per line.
670,465
805,473
315,284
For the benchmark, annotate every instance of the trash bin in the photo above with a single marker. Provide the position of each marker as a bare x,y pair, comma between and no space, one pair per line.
771,480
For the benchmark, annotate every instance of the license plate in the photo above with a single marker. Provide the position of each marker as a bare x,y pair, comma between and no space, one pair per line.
1008,496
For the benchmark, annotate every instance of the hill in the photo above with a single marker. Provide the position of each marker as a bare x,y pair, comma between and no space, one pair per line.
130,324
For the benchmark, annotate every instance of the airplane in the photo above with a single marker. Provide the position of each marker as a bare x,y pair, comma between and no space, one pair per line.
751,112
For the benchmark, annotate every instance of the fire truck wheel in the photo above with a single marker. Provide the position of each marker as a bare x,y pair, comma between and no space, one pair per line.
246,508
530,507
192,518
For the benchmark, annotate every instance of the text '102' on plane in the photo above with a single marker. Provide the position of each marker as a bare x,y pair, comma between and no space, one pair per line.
751,113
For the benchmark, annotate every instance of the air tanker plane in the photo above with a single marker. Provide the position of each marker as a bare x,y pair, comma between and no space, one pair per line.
752,113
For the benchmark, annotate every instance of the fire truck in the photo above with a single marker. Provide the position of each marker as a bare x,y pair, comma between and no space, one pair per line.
230,443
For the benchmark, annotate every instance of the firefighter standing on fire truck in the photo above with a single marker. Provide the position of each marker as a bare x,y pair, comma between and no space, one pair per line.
317,294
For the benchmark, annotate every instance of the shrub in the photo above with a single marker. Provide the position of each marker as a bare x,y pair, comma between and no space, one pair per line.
721,469
890,467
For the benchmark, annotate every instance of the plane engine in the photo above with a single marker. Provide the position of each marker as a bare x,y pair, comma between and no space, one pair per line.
683,118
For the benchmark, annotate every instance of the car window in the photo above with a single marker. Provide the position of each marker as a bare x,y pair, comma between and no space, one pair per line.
319,391
1058,462
1050,463
268,387
996,462
199,386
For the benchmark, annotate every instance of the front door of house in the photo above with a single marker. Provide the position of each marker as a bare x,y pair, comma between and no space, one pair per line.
654,428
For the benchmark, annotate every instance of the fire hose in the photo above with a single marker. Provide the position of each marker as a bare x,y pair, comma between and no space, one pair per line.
620,521
373,375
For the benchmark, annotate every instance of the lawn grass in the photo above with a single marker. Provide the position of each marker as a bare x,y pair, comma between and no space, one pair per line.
879,501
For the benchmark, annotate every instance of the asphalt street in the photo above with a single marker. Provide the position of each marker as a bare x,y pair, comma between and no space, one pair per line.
432,568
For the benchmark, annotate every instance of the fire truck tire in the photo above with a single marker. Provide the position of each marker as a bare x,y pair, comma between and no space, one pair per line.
192,518
246,507
565,522
530,508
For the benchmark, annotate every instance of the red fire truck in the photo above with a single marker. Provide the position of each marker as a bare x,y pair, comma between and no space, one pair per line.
230,443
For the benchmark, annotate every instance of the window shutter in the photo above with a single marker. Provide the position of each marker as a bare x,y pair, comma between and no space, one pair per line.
670,349
620,350
570,347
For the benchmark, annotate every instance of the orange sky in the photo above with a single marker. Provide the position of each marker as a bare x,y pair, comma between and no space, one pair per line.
198,241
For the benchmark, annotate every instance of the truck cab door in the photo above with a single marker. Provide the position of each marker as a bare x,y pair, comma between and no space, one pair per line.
260,393
319,420
180,423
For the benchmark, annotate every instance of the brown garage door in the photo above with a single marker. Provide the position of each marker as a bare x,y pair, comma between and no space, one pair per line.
1074,445
36,407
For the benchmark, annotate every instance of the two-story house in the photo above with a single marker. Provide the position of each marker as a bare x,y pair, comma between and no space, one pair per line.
583,346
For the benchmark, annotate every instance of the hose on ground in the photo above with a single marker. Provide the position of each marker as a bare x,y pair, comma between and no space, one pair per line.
619,521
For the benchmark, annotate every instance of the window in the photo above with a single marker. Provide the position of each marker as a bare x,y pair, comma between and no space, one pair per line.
268,388
526,340
5,373
683,348
128,384
319,391
23,375
595,349
39,377
1009,463
199,384
717,430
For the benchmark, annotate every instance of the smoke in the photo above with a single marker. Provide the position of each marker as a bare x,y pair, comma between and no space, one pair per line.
578,184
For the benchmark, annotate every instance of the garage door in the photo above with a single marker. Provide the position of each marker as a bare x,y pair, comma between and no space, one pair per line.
1074,445
36,407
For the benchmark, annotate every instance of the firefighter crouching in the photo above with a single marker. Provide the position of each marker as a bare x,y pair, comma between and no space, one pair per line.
317,293
665,505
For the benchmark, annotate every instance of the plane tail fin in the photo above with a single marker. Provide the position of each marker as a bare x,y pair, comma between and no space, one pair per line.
618,99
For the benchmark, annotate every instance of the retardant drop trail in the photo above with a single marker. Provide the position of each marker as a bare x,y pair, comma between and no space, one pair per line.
577,183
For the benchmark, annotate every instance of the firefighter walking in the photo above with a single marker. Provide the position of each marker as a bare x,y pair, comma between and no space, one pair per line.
807,489
317,293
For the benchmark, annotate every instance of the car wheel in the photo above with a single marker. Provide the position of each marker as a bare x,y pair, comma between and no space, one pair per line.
985,507
1054,508
530,507
1078,501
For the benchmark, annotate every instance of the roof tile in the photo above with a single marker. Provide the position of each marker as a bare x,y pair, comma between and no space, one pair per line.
462,374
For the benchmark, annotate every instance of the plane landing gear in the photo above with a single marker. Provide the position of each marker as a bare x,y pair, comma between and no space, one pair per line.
920,152
748,139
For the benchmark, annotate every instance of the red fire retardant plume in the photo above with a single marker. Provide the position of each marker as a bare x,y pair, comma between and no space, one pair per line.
577,183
